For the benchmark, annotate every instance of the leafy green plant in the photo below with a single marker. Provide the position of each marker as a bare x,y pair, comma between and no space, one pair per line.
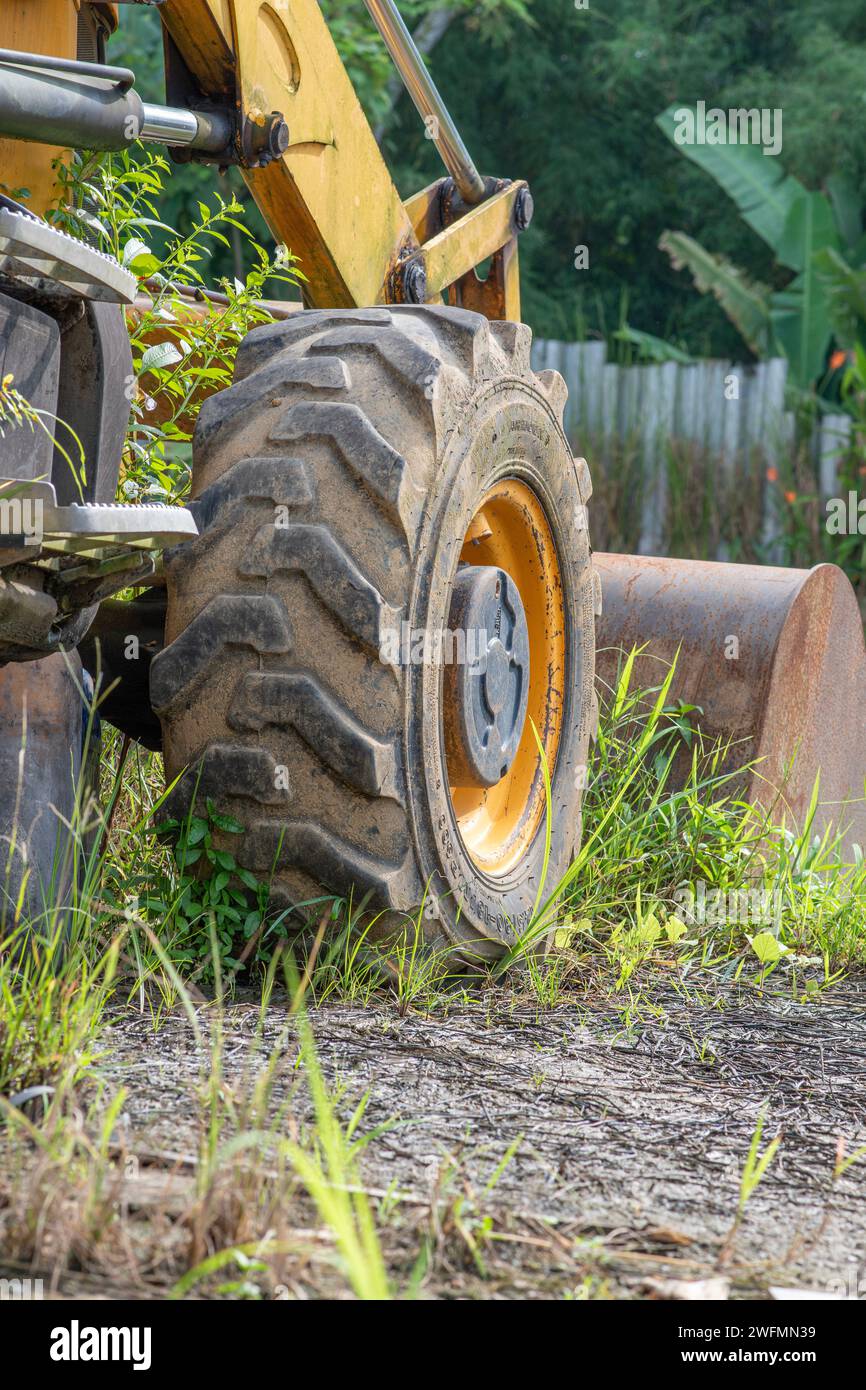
179,354
804,229
221,909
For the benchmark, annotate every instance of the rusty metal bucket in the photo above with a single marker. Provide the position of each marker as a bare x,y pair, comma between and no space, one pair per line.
774,658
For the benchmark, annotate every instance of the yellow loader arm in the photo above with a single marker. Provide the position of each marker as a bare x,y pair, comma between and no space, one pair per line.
330,196
272,69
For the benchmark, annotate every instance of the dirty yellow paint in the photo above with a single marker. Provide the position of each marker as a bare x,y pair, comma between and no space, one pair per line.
35,26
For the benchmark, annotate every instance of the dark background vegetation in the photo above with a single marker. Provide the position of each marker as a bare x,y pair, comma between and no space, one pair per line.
566,98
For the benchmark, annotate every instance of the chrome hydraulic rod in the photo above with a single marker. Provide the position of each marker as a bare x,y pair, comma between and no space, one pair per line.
423,91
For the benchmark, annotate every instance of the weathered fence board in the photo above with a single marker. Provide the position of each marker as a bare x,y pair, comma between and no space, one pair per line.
730,410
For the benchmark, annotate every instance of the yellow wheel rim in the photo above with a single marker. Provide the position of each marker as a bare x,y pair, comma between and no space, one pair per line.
509,529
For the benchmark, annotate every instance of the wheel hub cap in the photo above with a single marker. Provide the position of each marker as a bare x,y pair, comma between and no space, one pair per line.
487,679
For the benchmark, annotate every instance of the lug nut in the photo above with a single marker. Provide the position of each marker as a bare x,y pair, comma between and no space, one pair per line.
277,135
415,283
524,207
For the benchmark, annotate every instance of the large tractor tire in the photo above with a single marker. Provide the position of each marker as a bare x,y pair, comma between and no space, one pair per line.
374,484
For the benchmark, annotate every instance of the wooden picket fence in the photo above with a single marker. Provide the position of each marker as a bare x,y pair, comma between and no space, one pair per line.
735,413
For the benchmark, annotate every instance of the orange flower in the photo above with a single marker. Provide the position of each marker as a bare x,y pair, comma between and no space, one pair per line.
790,496
772,475
838,359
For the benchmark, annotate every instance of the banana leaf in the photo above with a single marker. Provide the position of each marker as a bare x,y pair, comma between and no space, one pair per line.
762,191
746,302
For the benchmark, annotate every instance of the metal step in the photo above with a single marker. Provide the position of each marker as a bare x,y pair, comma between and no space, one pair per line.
34,252
30,516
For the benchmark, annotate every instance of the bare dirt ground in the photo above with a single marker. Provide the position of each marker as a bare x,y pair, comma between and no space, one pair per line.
630,1139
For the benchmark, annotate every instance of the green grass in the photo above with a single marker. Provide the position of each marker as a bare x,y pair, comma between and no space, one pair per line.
645,840
69,1179
140,922
140,932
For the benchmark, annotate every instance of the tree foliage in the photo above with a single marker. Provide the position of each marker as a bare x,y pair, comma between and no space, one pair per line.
571,106
567,97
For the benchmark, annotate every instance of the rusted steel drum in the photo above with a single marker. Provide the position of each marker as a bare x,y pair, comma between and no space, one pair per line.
775,660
